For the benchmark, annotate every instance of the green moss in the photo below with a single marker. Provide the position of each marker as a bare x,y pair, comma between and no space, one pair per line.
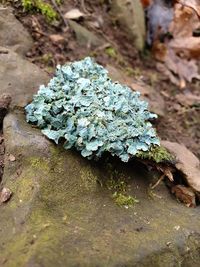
41,7
111,52
158,154
124,200
118,185
136,72
39,163
88,179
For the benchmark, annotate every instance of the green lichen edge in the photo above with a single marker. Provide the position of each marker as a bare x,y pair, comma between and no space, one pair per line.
158,154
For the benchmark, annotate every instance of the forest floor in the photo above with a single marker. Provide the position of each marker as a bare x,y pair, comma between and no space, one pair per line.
181,121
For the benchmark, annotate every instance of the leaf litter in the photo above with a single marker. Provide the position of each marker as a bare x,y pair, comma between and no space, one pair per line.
179,51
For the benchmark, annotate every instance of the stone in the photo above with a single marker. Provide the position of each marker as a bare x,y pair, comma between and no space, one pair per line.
85,37
62,214
130,15
5,101
186,162
20,78
154,98
5,195
12,33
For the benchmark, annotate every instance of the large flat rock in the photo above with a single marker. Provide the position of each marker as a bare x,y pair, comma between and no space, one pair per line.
59,215
19,77
12,33
131,17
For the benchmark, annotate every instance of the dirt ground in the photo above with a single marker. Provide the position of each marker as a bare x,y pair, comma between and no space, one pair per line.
181,122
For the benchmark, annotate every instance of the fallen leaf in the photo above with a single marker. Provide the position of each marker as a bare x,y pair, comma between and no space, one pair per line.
5,195
74,14
186,162
179,55
11,158
188,99
56,38
146,3
185,195
194,4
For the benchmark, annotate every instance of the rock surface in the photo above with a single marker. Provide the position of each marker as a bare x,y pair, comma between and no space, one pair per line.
60,216
130,15
154,98
84,36
12,33
19,78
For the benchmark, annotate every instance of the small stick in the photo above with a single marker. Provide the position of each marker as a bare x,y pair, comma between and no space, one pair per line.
83,6
159,180
59,12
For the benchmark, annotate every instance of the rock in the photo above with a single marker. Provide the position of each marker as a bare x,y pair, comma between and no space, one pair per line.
60,216
5,195
5,100
21,79
154,98
186,162
12,33
84,36
131,17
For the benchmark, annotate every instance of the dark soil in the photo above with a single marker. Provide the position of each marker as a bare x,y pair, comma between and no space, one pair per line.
181,122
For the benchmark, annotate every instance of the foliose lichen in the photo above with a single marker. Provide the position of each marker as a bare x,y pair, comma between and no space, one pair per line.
84,107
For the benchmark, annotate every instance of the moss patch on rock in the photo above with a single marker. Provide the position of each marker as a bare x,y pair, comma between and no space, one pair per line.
158,154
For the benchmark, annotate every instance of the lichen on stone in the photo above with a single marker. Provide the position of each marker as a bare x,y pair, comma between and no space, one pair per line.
84,107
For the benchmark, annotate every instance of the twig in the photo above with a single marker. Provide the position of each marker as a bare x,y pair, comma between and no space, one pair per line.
102,47
159,180
83,7
40,32
59,12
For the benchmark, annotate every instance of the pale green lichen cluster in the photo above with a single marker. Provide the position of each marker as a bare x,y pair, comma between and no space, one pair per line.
84,107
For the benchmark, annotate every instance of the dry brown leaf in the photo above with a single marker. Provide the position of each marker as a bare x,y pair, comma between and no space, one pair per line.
74,14
179,55
194,4
186,162
56,38
185,195
187,47
188,99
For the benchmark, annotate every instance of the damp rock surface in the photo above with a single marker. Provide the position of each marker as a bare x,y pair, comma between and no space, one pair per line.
62,214
19,78
13,35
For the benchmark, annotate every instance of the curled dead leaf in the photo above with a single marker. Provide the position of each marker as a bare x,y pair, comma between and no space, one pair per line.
194,4
186,162
56,38
180,54
74,14
185,195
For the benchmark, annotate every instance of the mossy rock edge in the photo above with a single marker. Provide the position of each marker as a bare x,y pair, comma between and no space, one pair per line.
60,215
